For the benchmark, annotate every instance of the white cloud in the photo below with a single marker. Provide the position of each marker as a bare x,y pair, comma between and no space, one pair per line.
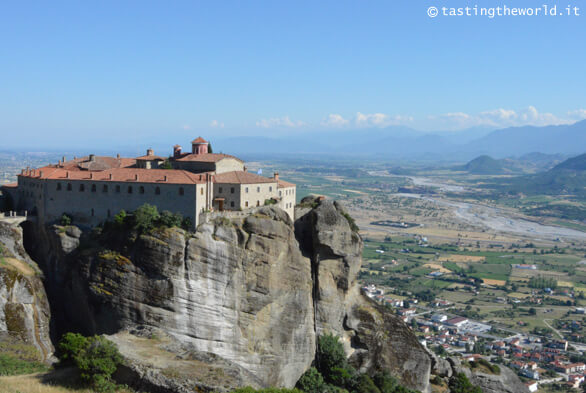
501,118
186,127
284,121
335,120
380,120
216,124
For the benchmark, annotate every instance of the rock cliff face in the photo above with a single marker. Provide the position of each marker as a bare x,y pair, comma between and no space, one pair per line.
24,309
374,339
249,292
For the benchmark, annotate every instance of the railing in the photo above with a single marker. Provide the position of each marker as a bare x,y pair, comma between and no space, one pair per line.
15,214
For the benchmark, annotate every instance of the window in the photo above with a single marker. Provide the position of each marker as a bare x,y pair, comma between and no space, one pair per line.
201,191
158,191
246,190
232,204
130,189
257,203
280,193
92,211
246,204
232,190
82,187
181,191
220,190
257,189
118,189
270,189
109,213
93,188
105,188
68,186
141,190
58,186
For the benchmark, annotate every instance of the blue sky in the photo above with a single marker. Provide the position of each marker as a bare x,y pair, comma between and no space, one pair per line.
132,70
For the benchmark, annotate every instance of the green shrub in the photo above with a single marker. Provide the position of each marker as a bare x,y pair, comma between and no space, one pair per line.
65,220
351,222
330,355
145,218
364,384
95,357
461,384
311,381
168,219
248,389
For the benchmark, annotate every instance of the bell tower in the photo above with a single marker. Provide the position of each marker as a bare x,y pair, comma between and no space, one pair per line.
199,146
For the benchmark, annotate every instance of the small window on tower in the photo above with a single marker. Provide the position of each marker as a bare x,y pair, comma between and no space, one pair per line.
201,191
246,204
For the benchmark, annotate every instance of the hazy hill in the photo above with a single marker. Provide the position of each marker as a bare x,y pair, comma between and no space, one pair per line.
485,165
577,163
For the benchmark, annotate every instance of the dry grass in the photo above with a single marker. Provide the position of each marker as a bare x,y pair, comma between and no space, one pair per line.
20,266
489,281
462,258
57,381
436,266
566,284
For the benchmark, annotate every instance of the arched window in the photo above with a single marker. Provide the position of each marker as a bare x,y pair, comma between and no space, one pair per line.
68,186
246,204
141,190
246,190
231,190
105,188
158,191
58,186
93,188
130,189
82,187
232,204
181,191
220,190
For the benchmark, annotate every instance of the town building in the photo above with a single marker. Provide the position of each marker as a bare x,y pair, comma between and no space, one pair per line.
93,189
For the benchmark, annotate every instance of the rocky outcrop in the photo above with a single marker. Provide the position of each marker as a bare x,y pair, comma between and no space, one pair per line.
24,309
503,381
374,339
244,298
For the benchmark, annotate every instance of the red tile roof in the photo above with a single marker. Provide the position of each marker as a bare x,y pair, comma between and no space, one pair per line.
242,177
199,140
205,157
285,184
99,163
135,175
150,158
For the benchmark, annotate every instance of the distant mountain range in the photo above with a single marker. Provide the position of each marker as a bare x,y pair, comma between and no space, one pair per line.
406,143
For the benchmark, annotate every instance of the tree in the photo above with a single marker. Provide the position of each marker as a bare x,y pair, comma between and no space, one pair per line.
145,217
330,355
66,220
311,381
95,357
169,219
461,384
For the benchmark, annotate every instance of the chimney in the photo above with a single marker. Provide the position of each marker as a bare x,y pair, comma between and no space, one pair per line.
276,175
110,176
63,159
91,175
67,175
245,168
118,156
150,152
165,178
92,157
176,151
136,177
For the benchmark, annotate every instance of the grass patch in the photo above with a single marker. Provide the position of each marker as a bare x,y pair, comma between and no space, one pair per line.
12,365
